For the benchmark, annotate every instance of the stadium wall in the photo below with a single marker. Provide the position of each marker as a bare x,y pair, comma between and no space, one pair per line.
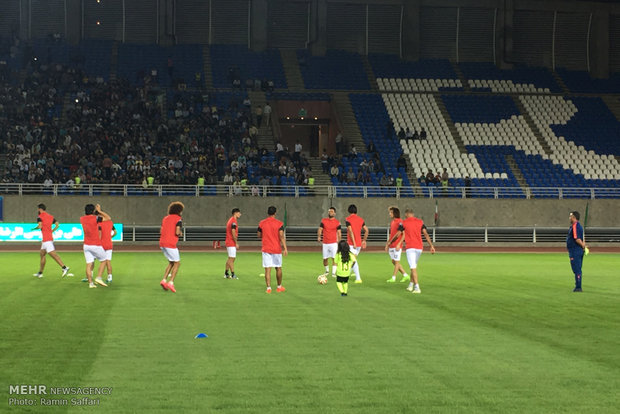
308,211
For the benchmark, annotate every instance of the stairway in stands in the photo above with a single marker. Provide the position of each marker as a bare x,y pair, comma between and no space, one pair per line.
558,79
372,79
516,171
350,129
530,122
3,161
613,103
459,73
294,79
265,133
320,178
68,103
114,62
446,116
207,70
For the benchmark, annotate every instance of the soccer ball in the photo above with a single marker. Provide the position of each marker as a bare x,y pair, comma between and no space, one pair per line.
322,279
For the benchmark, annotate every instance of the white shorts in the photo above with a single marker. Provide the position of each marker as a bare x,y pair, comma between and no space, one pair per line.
395,253
48,246
108,254
355,250
232,251
172,254
413,255
330,250
94,252
272,260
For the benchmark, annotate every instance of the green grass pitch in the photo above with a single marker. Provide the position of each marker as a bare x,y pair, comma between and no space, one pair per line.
496,333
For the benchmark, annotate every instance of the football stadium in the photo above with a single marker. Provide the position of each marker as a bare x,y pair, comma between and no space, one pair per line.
310,206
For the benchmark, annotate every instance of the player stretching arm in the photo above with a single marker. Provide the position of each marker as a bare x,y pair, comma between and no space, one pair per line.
45,221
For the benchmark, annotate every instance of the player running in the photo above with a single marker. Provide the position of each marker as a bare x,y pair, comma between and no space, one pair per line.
413,228
345,260
329,233
171,230
395,239
271,233
355,225
108,231
232,243
44,223
93,248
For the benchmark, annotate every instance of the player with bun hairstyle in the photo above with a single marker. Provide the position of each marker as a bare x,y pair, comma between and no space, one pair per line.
93,246
171,230
395,240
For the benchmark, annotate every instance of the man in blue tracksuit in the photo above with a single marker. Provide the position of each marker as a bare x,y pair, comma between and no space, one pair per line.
576,247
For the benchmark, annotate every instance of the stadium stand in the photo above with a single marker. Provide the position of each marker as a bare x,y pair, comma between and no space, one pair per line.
176,64
235,61
485,76
338,69
582,134
394,74
582,82
298,96
573,142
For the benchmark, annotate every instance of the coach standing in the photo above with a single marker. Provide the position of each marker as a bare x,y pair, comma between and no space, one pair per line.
576,247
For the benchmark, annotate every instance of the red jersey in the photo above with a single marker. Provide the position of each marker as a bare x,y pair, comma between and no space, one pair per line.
270,228
46,221
395,226
90,225
330,228
356,223
230,225
413,232
168,232
106,228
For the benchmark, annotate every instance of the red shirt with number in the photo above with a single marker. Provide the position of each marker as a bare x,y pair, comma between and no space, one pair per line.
90,225
230,225
330,228
106,228
356,223
168,234
413,232
46,221
395,226
270,228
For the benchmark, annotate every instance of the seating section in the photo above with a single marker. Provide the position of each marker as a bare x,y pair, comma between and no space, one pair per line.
479,108
583,136
488,77
178,63
439,150
298,96
97,55
338,69
394,74
250,65
50,51
571,150
582,82
372,118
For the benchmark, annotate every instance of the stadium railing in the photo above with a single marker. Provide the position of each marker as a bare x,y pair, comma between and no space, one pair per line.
456,235
305,191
